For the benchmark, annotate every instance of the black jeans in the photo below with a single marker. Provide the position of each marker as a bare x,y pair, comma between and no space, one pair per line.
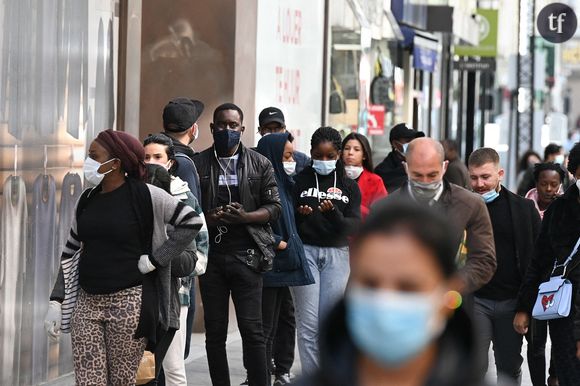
225,274
279,327
494,323
537,337
564,350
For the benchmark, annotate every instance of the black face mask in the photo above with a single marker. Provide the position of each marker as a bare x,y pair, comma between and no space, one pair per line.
224,140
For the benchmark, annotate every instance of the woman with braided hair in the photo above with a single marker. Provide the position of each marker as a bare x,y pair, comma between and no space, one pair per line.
328,212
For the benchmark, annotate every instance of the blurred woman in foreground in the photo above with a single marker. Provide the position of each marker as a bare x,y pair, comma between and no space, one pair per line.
400,322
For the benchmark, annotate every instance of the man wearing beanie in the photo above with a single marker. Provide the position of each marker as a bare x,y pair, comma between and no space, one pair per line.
180,117
391,169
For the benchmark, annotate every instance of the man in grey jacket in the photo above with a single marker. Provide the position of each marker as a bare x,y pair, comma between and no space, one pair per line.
426,166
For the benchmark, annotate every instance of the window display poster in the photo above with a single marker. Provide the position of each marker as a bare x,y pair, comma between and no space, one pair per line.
289,63
58,72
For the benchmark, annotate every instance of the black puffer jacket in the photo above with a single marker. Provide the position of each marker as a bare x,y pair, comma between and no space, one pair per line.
257,185
456,363
560,231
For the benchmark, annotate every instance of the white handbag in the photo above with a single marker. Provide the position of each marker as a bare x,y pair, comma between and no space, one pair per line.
554,299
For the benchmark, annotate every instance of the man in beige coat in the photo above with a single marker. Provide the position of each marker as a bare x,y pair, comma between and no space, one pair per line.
426,166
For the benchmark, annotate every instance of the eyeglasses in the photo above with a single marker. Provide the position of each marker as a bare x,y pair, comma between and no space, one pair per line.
227,125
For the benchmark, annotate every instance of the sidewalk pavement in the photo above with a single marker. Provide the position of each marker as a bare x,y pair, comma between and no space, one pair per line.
196,363
198,373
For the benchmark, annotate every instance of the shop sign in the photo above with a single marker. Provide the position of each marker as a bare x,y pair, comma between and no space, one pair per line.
571,54
424,58
475,65
376,120
487,21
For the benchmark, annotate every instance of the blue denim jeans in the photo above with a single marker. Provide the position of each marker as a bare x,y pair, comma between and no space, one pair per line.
331,269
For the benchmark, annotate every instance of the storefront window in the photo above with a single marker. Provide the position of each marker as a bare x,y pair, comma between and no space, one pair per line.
346,52
57,90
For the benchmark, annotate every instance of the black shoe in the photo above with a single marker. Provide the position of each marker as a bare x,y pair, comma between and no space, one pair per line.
282,379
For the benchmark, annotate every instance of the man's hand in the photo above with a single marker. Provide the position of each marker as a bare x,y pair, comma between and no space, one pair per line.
326,206
304,210
234,213
283,245
578,349
213,217
522,322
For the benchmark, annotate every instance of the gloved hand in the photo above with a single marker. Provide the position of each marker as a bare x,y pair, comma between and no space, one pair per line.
52,320
145,265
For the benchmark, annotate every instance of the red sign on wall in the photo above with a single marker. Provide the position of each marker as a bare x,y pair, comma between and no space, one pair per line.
376,120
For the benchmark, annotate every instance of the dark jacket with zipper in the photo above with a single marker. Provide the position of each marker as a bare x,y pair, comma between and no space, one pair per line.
257,186
559,233
456,364
290,265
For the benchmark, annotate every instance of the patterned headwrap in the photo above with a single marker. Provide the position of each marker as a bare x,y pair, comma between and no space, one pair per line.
126,148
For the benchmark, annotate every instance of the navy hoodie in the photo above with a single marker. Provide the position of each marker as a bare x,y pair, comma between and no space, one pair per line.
328,229
290,266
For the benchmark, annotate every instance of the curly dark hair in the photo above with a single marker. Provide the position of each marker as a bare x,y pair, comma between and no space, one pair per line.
542,167
574,158
326,134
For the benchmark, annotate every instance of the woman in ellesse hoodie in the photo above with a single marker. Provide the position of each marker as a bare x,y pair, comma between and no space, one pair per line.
327,213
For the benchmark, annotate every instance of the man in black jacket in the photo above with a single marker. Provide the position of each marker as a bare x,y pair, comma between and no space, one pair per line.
180,117
239,198
391,169
516,225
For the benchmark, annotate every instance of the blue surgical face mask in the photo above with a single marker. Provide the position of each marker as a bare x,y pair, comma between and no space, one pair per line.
392,327
490,196
323,168
405,146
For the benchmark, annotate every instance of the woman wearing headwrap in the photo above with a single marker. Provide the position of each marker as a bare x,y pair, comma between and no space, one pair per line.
129,233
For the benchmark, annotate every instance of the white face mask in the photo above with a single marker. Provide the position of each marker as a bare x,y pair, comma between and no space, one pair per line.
353,172
91,170
559,159
578,184
289,167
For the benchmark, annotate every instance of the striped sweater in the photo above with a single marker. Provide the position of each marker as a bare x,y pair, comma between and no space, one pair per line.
175,225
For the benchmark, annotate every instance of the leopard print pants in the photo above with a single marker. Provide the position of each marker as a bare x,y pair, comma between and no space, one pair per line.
102,327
